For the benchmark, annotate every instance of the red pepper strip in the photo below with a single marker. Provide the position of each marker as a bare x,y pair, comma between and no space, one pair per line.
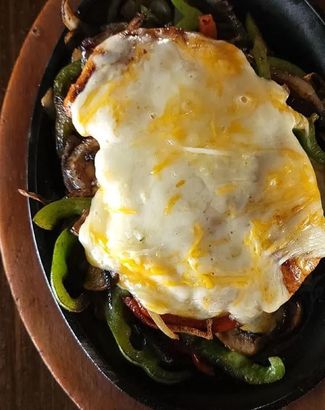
141,313
137,310
223,324
219,324
207,26
202,365
180,324
184,321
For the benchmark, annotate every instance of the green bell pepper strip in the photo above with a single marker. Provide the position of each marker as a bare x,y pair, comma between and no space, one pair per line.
190,15
259,49
59,271
284,65
145,358
236,364
62,83
309,142
50,215
65,78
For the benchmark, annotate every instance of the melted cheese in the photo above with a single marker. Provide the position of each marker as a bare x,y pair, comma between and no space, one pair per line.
204,189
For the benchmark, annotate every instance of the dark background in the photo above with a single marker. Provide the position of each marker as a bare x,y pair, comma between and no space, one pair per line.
25,382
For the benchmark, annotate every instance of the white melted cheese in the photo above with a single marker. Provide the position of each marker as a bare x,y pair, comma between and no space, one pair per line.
204,191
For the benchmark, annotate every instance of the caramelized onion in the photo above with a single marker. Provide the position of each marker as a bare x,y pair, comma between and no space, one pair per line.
300,87
161,325
32,195
70,20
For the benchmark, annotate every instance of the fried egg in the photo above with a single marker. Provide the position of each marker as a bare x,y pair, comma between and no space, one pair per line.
204,191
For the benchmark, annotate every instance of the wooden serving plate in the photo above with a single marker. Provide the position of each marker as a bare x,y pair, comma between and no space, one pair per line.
62,352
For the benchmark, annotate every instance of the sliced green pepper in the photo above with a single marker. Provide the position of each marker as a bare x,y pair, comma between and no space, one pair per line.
259,49
235,363
190,15
62,83
309,142
284,65
65,78
59,272
146,357
50,215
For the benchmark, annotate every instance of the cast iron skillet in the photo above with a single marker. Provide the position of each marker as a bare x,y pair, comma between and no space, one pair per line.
296,32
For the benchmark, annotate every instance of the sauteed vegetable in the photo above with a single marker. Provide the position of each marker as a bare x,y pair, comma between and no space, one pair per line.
192,343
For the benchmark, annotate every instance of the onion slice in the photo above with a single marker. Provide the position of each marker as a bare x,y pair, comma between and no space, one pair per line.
136,22
162,325
301,87
70,20
33,195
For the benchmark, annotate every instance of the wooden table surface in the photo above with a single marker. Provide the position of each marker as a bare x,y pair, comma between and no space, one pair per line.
25,382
